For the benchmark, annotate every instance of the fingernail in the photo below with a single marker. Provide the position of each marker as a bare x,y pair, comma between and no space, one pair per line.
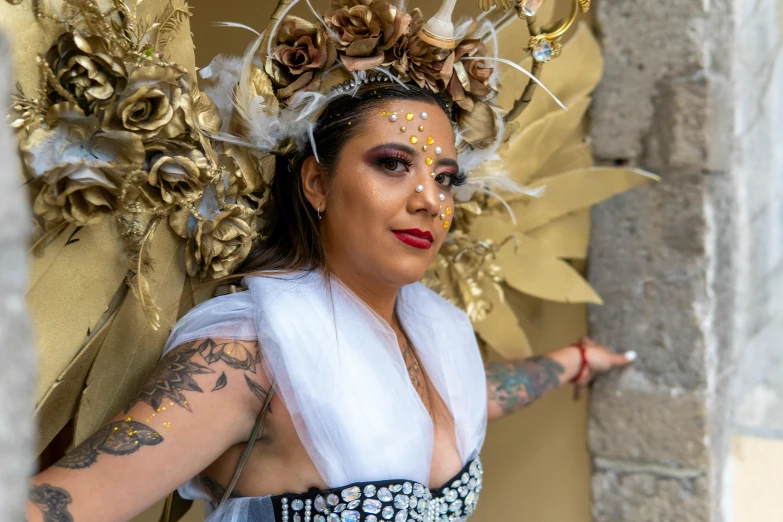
631,355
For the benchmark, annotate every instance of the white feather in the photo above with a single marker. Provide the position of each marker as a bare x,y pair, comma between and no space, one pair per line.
238,26
519,68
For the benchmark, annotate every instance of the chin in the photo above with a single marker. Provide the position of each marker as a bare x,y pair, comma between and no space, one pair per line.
407,271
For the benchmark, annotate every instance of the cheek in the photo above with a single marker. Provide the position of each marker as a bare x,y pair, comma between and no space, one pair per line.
367,197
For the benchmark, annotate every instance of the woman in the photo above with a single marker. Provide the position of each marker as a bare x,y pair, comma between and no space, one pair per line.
377,379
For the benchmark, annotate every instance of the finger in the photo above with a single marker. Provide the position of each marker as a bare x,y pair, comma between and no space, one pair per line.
623,359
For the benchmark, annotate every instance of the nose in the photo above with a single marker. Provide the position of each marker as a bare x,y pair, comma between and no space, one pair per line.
426,196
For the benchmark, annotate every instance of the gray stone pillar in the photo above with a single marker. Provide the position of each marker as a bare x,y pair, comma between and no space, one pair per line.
17,353
665,260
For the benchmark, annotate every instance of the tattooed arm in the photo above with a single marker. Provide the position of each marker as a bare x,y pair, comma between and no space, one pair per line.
512,385
200,400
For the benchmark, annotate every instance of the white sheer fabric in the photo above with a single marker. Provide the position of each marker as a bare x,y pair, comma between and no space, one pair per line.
340,372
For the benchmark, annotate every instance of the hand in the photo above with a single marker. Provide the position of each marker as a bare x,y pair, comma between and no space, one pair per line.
599,360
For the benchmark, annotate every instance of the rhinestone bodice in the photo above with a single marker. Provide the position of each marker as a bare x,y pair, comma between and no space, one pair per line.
393,500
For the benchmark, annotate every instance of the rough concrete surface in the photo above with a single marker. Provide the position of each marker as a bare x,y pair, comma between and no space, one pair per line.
16,348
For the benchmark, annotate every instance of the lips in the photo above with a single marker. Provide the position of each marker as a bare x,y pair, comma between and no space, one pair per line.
415,238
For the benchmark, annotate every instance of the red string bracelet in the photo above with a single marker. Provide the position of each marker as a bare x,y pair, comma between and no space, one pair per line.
583,355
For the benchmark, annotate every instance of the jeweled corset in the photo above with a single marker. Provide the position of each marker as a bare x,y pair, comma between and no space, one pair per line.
397,500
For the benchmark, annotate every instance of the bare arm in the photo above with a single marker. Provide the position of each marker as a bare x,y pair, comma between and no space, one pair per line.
512,385
202,398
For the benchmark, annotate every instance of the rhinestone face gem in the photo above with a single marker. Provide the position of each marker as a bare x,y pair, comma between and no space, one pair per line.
393,118
428,161
350,494
333,499
445,224
371,505
369,490
430,140
401,501
350,516
424,148
421,128
448,213
384,495
403,128
424,115
320,503
409,116
388,512
297,504
438,150
414,140
543,50
442,197
419,188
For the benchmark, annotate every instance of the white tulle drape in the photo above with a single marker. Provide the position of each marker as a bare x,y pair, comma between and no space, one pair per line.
340,372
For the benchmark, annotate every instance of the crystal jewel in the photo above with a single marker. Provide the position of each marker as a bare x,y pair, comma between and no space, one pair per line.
474,468
350,516
465,478
371,518
395,488
350,494
388,512
384,495
320,503
319,518
418,490
369,490
463,490
407,488
401,501
339,508
456,506
401,516
471,498
354,504
333,499
333,517
450,495
371,505
456,484
297,517
297,504
412,502
542,52
531,7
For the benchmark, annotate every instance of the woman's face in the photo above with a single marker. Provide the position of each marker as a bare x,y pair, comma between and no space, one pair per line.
390,203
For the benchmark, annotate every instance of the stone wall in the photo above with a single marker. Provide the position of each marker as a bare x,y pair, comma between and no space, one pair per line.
690,269
17,354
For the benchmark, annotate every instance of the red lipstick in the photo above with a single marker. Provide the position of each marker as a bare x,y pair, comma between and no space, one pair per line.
415,238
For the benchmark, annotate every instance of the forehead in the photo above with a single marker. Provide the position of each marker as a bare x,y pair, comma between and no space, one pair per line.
410,117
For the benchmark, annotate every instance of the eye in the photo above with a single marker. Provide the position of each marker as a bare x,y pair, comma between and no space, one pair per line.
444,179
394,164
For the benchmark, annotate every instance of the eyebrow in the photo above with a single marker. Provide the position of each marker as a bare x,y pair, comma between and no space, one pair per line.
448,162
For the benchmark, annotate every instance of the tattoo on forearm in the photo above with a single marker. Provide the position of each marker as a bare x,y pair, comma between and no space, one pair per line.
53,502
216,489
117,438
514,385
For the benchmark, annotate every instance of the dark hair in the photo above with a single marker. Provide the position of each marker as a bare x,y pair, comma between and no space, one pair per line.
292,237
